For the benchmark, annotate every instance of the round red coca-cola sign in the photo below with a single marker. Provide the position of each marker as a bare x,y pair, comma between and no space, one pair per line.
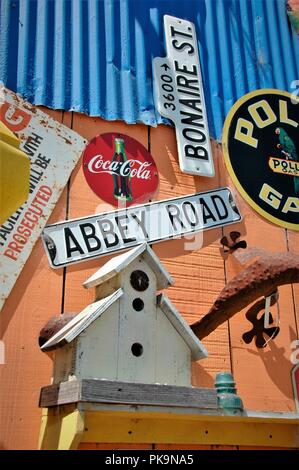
120,170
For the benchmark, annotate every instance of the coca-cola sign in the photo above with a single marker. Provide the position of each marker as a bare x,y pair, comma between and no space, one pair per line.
120,170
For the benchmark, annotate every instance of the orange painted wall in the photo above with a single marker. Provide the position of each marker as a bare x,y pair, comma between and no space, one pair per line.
263,376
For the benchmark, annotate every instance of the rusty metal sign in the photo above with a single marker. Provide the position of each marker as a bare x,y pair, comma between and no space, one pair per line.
73,241
53,150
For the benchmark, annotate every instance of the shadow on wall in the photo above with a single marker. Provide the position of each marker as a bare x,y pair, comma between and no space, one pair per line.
274,358
200,377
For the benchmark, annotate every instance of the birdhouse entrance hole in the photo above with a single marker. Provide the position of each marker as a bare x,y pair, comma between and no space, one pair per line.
138,304
137,349
139,280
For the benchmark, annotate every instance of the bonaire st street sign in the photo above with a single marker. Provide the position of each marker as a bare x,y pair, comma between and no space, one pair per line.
179,96
81,239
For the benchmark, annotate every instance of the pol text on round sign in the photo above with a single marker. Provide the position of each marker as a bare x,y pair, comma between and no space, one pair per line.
261,151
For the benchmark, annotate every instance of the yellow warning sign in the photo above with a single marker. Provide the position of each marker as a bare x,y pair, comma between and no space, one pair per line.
14,174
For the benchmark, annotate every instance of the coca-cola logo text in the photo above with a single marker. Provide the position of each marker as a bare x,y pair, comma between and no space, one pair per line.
98,165
120,170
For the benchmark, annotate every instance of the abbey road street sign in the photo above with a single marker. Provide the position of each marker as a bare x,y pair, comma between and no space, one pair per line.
179,96
81,239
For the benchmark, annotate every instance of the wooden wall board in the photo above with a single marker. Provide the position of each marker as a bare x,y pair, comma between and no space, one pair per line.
293,245
262,375
35,297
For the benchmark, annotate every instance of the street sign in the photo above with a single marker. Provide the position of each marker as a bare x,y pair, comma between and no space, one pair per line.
73,241
53,150
179,96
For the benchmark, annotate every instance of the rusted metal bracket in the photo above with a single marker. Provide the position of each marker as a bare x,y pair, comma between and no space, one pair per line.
260,279
259,328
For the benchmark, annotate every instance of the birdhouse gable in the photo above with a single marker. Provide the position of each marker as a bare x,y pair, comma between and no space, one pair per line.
81,321
119,263
198,351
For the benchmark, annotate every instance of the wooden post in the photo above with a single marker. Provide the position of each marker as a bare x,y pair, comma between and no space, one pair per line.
61,428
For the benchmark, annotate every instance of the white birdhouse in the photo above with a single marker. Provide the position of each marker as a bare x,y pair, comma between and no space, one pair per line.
129,333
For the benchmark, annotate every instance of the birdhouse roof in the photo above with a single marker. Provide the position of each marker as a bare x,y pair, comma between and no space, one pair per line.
93,311
81,321
117,264
198,351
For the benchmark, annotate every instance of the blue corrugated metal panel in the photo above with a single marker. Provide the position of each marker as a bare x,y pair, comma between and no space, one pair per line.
94,56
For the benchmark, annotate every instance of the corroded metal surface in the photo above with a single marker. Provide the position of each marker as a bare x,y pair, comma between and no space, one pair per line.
53,326
260,279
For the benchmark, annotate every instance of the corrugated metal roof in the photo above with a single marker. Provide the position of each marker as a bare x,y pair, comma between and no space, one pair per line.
94,56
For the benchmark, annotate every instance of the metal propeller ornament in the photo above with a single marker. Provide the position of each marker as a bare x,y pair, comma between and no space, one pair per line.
228,246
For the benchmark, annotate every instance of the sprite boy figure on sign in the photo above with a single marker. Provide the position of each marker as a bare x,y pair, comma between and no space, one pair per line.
122,183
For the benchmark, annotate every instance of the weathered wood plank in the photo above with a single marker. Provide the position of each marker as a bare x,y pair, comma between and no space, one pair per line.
148,394
106,391
62,394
